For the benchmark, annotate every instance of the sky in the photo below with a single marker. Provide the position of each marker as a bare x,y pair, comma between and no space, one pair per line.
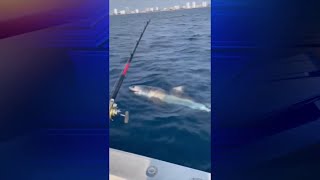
142,4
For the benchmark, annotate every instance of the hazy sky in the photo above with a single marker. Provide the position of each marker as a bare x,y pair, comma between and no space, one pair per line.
142,4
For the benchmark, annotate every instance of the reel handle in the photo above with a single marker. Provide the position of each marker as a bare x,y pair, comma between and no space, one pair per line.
126,117
114,111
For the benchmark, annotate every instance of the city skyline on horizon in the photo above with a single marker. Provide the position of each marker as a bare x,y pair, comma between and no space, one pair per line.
188,5
143,4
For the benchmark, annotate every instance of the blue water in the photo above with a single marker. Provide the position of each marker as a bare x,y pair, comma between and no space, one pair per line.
174,51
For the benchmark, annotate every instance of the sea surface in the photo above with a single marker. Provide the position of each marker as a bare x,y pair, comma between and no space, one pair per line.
174,51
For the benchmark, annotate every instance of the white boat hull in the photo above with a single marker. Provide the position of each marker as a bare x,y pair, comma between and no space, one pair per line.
129,166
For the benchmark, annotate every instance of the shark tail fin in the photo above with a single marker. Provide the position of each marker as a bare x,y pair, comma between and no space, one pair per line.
208,106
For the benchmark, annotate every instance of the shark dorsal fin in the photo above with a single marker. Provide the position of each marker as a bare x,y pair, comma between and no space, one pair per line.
178,91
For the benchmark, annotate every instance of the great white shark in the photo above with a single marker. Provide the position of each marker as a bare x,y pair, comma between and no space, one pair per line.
174,97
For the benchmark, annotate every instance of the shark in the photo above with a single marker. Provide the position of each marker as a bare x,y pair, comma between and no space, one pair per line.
173,97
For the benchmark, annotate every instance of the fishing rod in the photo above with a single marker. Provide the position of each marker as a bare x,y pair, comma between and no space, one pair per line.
113,108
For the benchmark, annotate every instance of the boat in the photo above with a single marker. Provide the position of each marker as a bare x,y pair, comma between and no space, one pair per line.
128,166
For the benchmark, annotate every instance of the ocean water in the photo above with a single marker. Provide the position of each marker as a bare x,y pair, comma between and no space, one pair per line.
174,51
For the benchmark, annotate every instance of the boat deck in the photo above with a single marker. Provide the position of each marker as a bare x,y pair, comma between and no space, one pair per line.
129,166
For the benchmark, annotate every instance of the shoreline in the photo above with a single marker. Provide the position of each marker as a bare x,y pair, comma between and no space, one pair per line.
150,12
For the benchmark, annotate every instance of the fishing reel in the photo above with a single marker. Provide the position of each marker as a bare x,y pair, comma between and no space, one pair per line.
114,111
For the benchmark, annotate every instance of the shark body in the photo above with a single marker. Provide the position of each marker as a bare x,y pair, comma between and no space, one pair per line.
170,98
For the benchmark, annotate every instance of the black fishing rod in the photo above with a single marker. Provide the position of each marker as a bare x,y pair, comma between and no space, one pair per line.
113,110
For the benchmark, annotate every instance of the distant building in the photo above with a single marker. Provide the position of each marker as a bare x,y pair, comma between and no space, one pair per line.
151,9
122,12
194,4
157,8
204,4
137,10
115,11
188,5
127,10
176,7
